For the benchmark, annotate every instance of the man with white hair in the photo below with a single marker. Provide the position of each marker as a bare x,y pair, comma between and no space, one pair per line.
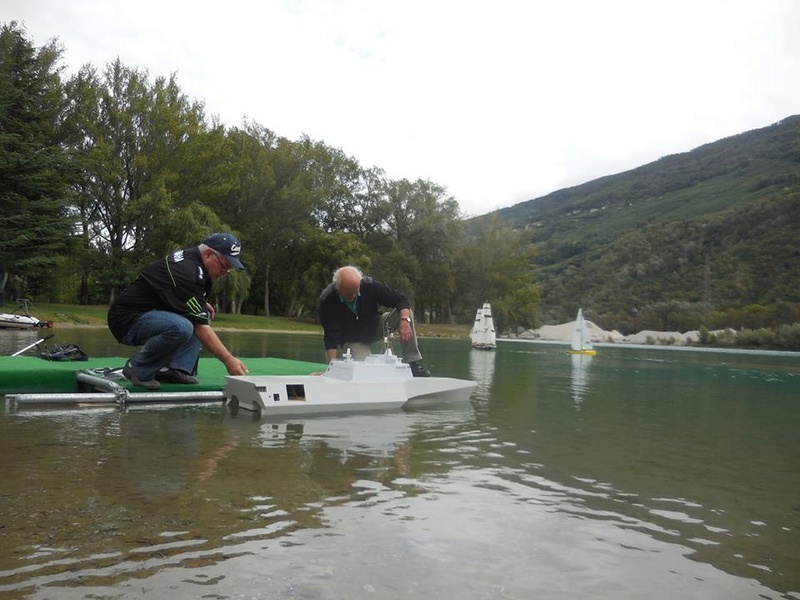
351,317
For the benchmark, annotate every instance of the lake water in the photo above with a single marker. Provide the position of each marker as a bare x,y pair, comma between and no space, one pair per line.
638,473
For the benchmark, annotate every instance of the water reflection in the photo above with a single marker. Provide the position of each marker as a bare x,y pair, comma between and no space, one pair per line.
19,340
377,435
140,491
677,473
481,370
579,377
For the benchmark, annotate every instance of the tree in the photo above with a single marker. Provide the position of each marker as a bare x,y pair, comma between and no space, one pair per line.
34,222
369,215
432,237
132,138
518,309
496,265
422,232
307,264
272,201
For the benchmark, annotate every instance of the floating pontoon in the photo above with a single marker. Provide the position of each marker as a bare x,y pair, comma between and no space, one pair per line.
28,380
381,382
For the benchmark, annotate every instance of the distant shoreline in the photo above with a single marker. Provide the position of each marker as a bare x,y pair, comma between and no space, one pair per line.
94,326
547,333
680,348
563,333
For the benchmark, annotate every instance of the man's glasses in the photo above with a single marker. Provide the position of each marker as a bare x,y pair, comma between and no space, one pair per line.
225,265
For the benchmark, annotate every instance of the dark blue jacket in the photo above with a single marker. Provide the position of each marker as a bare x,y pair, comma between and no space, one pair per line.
341,325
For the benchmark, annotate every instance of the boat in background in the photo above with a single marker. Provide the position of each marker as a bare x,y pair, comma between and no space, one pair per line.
581,340
24,320
483,334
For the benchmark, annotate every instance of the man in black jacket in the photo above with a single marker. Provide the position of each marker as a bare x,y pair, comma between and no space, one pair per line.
349,310
166,311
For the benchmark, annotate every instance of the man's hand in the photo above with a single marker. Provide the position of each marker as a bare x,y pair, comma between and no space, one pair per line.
404,329
236,367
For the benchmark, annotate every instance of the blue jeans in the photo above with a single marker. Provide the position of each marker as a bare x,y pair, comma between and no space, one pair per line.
167,340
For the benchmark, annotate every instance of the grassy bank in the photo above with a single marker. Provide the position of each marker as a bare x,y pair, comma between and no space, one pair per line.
75,315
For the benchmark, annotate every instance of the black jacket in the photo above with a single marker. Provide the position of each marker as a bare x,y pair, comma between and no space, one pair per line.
341,325
177,283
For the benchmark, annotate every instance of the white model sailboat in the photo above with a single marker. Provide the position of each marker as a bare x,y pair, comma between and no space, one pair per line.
482,334
581,340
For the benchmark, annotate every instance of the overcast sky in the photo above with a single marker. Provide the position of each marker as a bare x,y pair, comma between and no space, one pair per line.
498,101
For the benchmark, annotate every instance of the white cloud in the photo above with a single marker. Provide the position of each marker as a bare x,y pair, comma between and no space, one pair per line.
499,102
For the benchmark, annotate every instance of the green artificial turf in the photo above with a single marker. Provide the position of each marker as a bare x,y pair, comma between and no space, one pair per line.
33,375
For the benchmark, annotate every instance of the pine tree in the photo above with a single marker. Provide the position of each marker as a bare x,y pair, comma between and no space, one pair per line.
34,221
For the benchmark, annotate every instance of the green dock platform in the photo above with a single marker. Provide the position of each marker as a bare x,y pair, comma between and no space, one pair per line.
33,375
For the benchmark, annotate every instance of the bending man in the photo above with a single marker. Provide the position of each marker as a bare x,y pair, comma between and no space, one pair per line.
166,312
351,317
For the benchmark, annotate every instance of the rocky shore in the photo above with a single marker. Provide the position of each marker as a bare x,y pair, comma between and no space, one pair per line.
563,333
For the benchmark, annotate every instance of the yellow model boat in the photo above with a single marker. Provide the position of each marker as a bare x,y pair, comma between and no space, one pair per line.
581,340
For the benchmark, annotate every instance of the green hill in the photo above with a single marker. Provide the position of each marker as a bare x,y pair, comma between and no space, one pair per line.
710,235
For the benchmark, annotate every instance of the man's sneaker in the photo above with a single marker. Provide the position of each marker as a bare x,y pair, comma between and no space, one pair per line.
128,373
175,376
417,370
